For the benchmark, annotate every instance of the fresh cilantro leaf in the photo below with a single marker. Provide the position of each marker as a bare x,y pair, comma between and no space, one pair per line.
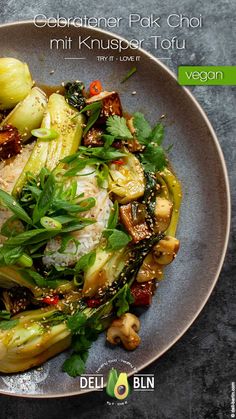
84,330
153,158
80,343
124,299
142,128
157,134
85,261
8,324
117,239
5,315
75,365
76,322
113,218
117,127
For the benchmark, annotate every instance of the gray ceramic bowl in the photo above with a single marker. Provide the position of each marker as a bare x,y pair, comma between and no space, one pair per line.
199,163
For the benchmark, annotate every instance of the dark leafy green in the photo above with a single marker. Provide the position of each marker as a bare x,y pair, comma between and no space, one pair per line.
74,94
85,262
142,128
42,282
75,364
153,157
10,256
113,218
117,239
94,113
5,315
117,127
8,324
124,300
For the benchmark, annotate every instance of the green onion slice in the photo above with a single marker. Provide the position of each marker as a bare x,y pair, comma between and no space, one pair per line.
50,224
45,133
25,260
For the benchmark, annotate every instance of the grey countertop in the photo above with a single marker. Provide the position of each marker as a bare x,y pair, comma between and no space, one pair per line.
193,379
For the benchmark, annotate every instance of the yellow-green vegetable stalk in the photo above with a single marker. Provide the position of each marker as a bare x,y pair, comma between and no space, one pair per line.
48,152
127,181
30,338
175,191
28,114
61,118
15,82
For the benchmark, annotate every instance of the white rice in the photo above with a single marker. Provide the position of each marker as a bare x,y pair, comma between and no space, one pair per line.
91,235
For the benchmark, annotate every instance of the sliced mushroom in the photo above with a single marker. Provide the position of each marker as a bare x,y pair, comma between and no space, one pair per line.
124,329
149,270
163,211
166,250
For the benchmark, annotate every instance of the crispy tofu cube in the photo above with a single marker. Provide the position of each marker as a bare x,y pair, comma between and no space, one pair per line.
163,211
137,231
93,138
10,142
111,105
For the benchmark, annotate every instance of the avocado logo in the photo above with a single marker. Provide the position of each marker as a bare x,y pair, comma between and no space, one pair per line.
117,386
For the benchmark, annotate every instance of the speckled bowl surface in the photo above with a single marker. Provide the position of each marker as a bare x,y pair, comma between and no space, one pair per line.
198,162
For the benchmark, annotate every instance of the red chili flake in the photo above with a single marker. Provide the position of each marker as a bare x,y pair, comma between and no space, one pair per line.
119,162
93,302
51,300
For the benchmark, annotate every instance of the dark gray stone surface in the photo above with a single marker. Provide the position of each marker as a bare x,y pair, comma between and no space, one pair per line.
193,378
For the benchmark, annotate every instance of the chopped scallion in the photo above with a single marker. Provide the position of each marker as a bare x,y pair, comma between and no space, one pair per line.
45,133
50,224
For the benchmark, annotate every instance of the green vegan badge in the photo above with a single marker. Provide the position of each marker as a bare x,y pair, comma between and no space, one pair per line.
207,75
117,385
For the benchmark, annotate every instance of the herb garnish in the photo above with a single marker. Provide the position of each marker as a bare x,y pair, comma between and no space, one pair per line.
43,196
129,74
94,110
117,127
153,157
74,94
116,239
124,300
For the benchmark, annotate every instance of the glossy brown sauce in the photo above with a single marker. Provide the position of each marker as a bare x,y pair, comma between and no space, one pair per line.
49,90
